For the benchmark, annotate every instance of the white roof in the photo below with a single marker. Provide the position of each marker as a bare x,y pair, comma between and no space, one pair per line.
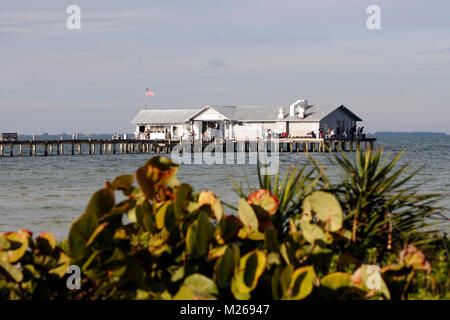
237,113
158,116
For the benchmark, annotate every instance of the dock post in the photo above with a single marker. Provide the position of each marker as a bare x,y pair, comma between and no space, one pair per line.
79,148
51,149
12,150
73,148
20,150
31,150
34,150
45,149
120,147
1,151
57,148
62,148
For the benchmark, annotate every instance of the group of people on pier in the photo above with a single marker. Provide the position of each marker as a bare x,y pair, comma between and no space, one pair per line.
331,134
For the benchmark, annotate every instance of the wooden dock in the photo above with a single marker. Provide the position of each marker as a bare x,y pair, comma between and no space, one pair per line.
104,147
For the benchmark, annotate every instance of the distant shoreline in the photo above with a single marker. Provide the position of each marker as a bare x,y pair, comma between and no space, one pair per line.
413,133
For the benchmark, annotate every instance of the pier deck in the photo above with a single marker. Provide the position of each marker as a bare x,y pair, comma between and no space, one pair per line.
99,146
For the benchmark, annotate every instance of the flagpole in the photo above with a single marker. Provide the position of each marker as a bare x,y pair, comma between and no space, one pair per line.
146,91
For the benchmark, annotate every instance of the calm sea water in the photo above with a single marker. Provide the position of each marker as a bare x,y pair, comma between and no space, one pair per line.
48,193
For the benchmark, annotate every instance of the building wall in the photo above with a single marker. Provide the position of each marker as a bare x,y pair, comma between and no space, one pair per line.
249,130
338,118
301,129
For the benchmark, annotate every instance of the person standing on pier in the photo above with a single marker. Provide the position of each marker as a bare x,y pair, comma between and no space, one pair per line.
333,134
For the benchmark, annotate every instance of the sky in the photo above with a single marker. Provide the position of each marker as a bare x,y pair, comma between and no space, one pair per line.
234,52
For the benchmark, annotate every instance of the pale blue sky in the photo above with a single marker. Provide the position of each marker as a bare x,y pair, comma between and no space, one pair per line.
234,52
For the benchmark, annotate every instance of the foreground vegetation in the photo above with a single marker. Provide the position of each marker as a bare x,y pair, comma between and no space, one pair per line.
300,236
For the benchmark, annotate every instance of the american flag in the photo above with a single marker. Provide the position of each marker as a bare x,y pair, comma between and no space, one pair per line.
149,93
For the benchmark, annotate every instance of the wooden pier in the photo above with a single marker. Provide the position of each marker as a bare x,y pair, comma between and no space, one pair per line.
104,147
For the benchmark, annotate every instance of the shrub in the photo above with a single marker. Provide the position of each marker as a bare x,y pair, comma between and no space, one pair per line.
166,242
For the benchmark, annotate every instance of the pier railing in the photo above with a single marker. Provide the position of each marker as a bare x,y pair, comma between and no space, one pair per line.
100,146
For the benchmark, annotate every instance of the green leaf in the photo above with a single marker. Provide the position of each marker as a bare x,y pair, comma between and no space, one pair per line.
224,268
48,238
311,231
101,202
372,280
247,215
4,243
142,214
276,292
228,228
326,207
97,231
251,267
197,287
160,214
123,182
208,197
200,283
157,178
198,236
177,274
182,196
80,233
162,163
62,265
285,277
336,280
10,270
301,284
19,242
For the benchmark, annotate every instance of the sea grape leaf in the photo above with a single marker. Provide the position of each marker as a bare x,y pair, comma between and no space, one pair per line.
326,207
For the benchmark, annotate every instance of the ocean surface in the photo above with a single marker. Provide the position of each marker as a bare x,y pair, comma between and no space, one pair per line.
48,193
